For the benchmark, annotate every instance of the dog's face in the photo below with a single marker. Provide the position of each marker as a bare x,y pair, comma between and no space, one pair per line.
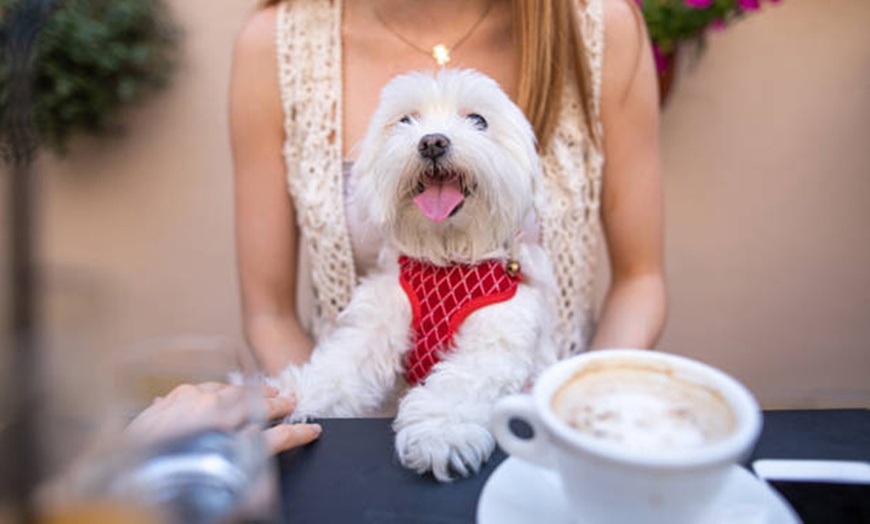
448,167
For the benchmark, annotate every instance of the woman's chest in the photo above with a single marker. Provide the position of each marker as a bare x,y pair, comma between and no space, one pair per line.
370,60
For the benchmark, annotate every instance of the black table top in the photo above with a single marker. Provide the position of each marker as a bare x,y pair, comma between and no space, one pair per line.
351,475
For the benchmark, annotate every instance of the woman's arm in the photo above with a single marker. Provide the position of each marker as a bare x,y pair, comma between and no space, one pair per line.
634,310
266,234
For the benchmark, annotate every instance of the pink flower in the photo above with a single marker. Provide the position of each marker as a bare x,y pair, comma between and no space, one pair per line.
662,60
717,25
749,5
698,4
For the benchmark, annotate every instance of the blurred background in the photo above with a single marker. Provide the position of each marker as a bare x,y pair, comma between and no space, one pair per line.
767,180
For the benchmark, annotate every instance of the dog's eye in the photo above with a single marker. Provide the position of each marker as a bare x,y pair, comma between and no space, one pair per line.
405,119
479,121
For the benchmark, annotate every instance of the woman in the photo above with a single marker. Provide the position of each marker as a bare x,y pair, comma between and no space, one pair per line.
306,78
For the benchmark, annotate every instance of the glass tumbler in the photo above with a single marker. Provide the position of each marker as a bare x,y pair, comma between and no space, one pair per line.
190,448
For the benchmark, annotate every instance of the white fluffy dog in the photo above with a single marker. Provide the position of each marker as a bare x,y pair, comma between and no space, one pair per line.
449,323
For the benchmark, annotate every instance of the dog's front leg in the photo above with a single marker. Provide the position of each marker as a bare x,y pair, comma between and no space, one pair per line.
354,369
443,424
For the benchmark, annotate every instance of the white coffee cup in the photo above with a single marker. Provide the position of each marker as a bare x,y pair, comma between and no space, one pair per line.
607,480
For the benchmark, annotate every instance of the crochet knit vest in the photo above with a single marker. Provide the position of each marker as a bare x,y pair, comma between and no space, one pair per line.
308,45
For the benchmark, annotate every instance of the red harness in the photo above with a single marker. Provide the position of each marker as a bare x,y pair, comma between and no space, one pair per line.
441,298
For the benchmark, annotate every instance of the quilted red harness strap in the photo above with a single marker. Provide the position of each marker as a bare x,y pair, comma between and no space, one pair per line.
441,298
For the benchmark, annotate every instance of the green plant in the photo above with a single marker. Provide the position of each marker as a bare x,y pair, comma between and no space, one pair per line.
671,22
92,58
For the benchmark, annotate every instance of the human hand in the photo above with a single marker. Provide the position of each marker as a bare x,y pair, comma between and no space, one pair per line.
190,407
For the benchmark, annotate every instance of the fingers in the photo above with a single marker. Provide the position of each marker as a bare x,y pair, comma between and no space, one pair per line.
240,404
225,406
212,387
270,391
182,391
279,407
287,436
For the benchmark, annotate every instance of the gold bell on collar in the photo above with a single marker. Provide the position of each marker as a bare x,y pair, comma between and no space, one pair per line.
512,268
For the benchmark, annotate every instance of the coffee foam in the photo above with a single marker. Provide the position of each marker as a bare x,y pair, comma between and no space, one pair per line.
642,407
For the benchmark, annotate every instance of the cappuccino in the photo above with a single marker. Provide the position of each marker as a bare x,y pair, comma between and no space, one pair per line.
634,435
642,407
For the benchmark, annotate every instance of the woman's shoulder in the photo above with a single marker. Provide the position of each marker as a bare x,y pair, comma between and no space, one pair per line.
624,25
626,45
257,34
255,92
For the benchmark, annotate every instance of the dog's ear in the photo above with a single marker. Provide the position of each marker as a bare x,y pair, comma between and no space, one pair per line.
364,178
370,208
377,183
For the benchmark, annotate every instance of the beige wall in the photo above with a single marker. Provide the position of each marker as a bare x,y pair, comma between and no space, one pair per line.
143,222
768,184
767,181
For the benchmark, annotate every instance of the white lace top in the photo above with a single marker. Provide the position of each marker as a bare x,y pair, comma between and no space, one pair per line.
310,76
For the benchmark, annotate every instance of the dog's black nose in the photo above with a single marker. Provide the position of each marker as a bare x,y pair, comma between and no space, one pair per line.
433,145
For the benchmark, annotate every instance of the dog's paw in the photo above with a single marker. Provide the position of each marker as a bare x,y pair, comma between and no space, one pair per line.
443,449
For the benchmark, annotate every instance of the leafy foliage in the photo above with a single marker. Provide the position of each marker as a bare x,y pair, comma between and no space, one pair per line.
92,58
671,22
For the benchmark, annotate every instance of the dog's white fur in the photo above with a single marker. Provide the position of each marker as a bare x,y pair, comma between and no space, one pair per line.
357,369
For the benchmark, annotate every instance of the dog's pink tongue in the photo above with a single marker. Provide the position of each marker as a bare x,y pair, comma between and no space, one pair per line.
439,199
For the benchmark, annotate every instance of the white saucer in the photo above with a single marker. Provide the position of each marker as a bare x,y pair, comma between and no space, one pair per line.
520,493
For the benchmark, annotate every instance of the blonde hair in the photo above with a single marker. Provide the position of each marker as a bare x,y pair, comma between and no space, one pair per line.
547,34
